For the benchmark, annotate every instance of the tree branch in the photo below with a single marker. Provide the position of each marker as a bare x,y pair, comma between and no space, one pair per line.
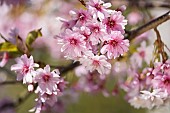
150,25
69,67
82,2
154,4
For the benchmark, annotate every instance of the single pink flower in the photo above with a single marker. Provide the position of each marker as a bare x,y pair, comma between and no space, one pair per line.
94,62
115,45
67,24
47,81
73,44
115,22
25,68
97,32
81,16
85,31
163,68
143,54
162,81
134,17
61,84
49,99
166,67
98,7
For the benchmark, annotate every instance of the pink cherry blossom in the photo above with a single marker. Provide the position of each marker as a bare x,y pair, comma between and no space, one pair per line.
38,107
161,74
81,16
49,99
73,44
24,68
47,80
67,24
166,67
95,62
143,54
92,83
162,81
98,7
80,71
85,31
149,99
115,45
115,22
134,17
97,32
61,84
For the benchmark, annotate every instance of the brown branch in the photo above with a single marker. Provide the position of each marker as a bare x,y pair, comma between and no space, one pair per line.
167,47
154,4
82,2
150,25
160,45
62,69
69,67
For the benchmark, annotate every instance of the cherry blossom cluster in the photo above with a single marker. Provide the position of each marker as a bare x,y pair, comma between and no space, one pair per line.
151,88
93,36
91,82
48,85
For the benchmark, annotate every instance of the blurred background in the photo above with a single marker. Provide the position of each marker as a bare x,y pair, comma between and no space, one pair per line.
23,16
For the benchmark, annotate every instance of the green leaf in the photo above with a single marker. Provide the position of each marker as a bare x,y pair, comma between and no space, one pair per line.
8,47
32,36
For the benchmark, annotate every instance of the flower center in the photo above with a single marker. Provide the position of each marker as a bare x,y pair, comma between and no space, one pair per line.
98,7
96,63
142,54
86,36
167,81
81,17
113,43
96,29
73,41
46,78
25,69
111,23
166,67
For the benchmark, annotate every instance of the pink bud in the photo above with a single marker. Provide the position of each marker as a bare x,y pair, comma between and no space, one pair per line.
4,59
30,87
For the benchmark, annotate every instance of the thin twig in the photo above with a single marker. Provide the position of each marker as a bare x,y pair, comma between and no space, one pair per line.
150,25
167,47
160,45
